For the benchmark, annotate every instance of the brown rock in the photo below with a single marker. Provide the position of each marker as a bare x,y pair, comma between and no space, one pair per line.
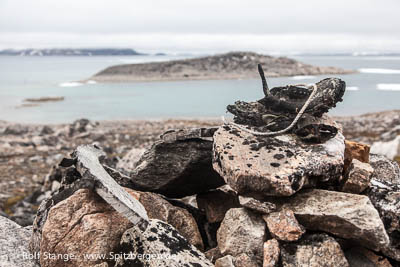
241,231
271,253
226,261
345,215
257,205
360,256
283,225
213,254
243,260
274,166
81,224
216,203
357,151
358,177
313,251
159,208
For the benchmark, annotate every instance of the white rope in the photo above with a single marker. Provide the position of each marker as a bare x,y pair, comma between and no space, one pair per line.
296,119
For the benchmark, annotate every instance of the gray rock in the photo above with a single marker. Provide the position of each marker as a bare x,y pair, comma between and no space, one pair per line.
177,168
345,215
358,178
257,205
14,251
129,161
226,261
241,231
162,240
313,251
384,193
274,166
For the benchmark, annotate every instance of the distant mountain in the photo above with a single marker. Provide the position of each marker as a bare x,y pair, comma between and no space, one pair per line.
71,52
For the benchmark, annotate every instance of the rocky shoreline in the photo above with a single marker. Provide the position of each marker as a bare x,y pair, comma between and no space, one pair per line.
233,65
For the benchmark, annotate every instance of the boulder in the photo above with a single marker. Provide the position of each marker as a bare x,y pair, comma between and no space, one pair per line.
159,244
358,177
241,231
81,224
216,203
257,205
357,151
274,166
283,226
159,208
345,215
271,253
14,251
313,251
177,168
359,256
226,261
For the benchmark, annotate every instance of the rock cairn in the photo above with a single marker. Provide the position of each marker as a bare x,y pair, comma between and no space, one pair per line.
228,196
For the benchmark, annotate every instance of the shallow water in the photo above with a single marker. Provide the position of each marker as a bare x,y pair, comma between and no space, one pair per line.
375,88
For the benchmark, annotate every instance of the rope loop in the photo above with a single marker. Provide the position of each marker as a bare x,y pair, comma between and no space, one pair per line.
296,119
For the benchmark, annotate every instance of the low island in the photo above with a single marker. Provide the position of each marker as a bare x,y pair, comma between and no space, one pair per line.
233,65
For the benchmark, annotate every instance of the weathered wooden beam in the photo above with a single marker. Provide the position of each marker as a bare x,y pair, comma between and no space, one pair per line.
88,165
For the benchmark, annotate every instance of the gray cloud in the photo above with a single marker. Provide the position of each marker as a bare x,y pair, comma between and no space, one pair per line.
367,24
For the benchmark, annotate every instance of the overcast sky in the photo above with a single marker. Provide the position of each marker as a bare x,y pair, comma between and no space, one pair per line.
203,26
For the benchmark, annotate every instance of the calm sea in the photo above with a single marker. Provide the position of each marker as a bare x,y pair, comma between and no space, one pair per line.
375,88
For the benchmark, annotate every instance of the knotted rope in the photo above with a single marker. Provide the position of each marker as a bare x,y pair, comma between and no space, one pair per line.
296,119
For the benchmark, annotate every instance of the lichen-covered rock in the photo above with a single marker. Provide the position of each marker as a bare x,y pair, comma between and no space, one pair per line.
345,215
256,205
274,166
356,151
241,231
313,251
177,168
358,177
359,256
14,250
282,225
226,261
384,193
81,224
271,253
159,208
164,242
216,203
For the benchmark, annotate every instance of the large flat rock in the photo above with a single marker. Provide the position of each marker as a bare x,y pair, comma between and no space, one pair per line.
274,166
345,215
179,165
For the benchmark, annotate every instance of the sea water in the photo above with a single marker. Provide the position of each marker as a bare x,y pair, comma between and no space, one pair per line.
376,87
